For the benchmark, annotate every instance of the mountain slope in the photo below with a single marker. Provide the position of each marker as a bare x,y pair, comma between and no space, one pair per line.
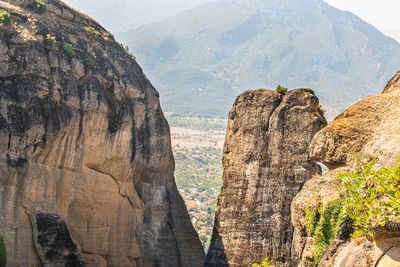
123,15
202,58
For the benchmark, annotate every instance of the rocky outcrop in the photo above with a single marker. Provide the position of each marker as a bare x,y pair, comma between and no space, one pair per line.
265,165
86,168
370,128
53,242
393,84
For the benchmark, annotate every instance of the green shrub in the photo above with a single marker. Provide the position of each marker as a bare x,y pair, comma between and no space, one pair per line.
328,227
68,49
264,263
312,218
323,224
3,253
39,6
281,90
4,17
357,161
130,54
371,197
50,40
92,32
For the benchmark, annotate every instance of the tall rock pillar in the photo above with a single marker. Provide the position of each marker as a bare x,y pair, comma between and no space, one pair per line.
86,166
266,163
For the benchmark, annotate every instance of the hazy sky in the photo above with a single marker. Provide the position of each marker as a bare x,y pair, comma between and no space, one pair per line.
383,14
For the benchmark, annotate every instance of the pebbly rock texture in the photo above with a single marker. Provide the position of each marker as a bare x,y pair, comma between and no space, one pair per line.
371,128
265,165
86,168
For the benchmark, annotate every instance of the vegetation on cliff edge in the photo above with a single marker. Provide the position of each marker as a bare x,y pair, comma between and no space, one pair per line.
4,17
323,224
369,197
281,90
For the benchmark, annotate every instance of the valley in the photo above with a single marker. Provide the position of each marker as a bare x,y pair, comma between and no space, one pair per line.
118,157
197,146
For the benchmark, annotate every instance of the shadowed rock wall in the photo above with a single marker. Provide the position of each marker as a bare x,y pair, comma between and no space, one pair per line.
86,168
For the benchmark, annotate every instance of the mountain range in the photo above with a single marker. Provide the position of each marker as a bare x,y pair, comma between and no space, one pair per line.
202,58
123,15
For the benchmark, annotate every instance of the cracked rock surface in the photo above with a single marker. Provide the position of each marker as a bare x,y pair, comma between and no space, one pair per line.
86,168
265,165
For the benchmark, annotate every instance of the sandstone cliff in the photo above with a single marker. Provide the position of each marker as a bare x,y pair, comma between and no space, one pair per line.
265,165
86,168
371,127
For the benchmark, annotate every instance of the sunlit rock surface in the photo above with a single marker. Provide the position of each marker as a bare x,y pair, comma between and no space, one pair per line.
370,128
86,168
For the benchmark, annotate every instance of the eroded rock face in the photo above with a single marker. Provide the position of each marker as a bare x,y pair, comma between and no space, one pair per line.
85,154
393,84
372,128
265,165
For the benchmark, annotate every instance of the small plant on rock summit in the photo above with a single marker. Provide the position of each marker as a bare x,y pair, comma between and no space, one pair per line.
4,17
281,90
127,50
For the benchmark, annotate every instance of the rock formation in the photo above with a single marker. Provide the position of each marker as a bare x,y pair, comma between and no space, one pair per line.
370,127
86,168
265,165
